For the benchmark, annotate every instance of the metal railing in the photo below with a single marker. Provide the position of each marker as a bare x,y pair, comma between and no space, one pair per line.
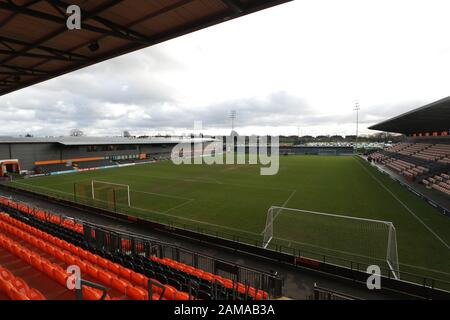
427,282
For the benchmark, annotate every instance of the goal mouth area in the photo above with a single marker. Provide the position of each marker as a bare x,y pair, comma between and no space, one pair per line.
336,239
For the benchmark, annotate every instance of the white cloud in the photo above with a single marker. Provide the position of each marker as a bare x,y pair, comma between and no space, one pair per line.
298,65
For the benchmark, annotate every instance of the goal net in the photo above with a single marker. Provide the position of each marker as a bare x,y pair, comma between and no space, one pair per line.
338,238
103,194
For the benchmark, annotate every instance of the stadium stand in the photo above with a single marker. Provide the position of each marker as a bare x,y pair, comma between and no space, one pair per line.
48,168
423,162
16,288
125,274
93,164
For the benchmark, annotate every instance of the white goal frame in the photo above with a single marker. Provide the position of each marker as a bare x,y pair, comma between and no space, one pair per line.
126,186
392,235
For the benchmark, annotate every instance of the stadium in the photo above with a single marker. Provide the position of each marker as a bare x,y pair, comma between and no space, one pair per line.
140,227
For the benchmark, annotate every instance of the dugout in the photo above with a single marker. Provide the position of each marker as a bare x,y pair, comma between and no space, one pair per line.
9,166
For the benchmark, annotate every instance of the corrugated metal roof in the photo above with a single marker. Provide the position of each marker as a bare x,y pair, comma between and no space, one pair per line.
35,44
433,117
83,141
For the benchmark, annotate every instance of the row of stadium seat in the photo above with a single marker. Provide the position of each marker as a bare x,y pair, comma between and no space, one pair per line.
16,288
180,276
200,274
110,274
428,152
43,215
45,266
93,164
439,182
60,167
179,279
419,165
49,168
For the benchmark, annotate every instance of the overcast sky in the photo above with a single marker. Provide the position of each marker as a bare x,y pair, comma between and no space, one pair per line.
298,67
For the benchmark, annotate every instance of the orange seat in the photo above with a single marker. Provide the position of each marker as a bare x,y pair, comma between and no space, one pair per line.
91,270
83,254
36,295
120,285
73,249
6,275
113,267
137,293
92,258
91,293
50,249
102,262
138,278
105,277
60,276
59,255
82,265
125,273
20,286
179,295
36,262
16,295
170,292
48,268
69,259
5,286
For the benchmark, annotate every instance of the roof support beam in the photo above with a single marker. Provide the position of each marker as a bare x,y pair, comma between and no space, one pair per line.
39,56
146,17
31,71
17,73
115,28
62,21
234,6
45,48
56,33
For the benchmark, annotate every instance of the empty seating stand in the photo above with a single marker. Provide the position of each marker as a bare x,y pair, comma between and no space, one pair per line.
439,182
93,164
49,168
423,162
125,282
16,288
179,281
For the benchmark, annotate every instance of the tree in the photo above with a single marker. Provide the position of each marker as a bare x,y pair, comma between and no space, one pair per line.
76,133
126,134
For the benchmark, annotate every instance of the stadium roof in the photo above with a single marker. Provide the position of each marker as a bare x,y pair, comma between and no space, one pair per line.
83,141
433,117
35,44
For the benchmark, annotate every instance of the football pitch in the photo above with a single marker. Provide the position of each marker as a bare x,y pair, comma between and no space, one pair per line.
232,201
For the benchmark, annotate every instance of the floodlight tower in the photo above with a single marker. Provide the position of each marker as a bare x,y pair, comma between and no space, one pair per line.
232,116
357,108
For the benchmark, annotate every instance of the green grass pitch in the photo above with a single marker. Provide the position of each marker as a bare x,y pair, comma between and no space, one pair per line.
233,200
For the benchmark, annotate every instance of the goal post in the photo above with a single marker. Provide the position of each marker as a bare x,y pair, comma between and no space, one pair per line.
108,191
346,238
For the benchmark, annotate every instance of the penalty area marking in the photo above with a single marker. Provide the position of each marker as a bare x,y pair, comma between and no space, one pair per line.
155,212
404,205
196,221
278,212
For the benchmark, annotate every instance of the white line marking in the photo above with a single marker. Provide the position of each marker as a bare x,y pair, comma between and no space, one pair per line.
188,179
426,269
179,206
155,212
193,220
278,212
163,195
404,205
285,203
